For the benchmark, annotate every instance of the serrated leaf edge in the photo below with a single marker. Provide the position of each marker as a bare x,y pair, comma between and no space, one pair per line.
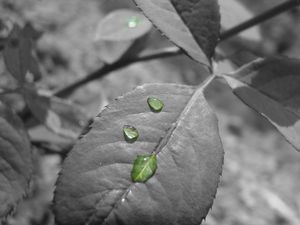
198,90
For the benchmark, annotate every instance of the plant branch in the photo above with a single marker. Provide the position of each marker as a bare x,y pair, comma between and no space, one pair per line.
107,68
50,148
174,51
260,18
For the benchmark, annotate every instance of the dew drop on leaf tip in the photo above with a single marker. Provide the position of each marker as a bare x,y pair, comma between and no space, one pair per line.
131,134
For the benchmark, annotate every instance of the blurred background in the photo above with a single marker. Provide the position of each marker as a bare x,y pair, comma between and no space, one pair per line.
260,182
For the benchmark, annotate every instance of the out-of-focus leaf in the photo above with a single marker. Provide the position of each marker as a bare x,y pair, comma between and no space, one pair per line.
30,32
60,116
192,25
233,13
6,27
271,87
95,185
15,161
123,33
18,54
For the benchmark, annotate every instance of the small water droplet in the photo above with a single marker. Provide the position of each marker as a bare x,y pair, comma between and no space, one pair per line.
155,104
123,200
131,134
133,22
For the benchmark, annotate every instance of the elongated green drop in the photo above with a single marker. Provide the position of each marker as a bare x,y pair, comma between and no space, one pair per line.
133,22
155,104
144,168
131,134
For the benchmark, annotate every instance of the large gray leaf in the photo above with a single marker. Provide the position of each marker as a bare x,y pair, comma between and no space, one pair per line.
272,88
15,161
192,25
95,186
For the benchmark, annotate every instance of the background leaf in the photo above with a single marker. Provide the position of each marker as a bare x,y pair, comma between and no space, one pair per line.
60,116
15,161
18,55
95,185
203,20
271,87
195,29
116,39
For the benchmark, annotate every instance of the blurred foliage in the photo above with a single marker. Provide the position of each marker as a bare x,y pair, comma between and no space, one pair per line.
258,184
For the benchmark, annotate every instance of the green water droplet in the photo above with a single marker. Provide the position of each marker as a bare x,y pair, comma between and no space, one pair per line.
131,134
144,168
133,22
155,104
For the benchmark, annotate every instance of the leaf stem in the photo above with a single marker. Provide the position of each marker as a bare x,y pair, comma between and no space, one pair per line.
174,51
48,149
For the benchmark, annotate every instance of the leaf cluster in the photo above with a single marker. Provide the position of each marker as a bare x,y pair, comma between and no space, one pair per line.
153,155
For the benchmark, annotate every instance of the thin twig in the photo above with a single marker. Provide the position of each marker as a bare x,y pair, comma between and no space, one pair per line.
170,52
48,148
106,69
260,18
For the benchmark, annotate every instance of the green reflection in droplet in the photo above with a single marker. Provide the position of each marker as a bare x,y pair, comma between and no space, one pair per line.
155,104
144,168
131,134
